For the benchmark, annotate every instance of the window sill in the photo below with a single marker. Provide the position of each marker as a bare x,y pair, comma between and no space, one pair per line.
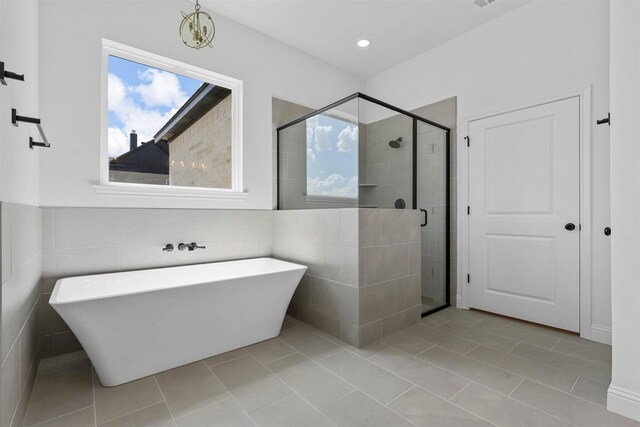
332,200
142,190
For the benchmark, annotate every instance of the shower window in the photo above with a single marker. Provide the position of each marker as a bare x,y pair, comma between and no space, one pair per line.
332,157
168,125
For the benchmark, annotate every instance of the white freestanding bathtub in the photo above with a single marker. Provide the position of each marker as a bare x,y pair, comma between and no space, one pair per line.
138,323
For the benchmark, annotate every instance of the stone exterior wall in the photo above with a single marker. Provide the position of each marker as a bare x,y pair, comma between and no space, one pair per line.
201,156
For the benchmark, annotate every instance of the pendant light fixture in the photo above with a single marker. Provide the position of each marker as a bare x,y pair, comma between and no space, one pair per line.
197,29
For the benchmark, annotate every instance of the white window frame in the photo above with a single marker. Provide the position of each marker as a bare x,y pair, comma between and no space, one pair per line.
149,190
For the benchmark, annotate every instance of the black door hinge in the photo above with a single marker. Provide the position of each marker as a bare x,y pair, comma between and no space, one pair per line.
468,278
468,210
468,141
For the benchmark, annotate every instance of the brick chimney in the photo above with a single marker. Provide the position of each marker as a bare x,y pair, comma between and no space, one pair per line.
133,140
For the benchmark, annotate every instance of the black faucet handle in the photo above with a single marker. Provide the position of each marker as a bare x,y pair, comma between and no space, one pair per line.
194,245
168,248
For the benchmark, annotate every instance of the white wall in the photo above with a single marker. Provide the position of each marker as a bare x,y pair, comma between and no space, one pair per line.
20,231
19,166
70,90
624,392
541,51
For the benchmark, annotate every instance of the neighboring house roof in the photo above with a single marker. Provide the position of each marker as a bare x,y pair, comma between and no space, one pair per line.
201,102
150,157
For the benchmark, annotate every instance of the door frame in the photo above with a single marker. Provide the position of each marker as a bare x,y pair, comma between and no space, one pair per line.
463,253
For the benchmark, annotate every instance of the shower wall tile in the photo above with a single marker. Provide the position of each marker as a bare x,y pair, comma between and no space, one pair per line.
326,240
390,253
335,299
384,263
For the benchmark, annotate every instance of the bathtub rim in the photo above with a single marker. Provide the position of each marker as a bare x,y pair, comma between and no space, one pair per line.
53,300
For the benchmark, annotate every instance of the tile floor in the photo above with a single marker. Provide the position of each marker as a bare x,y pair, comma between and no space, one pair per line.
454,368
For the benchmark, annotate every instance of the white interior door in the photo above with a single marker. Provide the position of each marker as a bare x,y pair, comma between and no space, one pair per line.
524,197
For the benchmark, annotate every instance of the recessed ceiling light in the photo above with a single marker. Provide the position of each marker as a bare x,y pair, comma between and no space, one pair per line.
363,43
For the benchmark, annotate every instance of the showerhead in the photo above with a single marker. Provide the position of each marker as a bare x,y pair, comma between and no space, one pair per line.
395,143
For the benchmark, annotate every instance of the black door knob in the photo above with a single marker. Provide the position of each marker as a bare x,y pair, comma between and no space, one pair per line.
607,231
570,226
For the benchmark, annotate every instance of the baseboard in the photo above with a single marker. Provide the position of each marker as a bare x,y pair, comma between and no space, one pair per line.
624,402
459,302
601,334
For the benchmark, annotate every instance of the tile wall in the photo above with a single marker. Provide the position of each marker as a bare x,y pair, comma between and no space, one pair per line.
363,281
389,243
326,240
21,263
77,241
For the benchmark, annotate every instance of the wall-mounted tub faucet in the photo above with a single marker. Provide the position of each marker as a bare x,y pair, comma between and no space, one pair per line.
190,246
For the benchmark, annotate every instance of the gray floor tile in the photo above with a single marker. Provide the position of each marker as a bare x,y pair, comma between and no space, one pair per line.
461,317
290,412
427,410
267,351
529,334
189,388
313,382
224,414
157,415
469,368
407,343
524,367
501,410
567,407
435,336
60,393
591,390
310,344
595,371
436,380
357,409
592,353
289,323
368,377
479,336
252,385
369,350
225,357
83,418
114,402
433,322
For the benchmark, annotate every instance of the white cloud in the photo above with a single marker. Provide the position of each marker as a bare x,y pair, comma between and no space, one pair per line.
348,139
118,142
318,136
321,138
145,121
161,89
333,185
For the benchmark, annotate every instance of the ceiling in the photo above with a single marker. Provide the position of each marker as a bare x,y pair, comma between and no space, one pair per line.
329,29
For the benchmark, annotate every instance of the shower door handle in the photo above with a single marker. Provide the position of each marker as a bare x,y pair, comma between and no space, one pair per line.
426,215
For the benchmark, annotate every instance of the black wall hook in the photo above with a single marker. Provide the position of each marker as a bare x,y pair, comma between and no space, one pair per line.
8,75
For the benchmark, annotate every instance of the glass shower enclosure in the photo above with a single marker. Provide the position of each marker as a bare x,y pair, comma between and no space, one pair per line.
361,152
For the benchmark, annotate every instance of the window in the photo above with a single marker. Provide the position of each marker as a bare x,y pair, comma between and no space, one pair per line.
169,128
332,157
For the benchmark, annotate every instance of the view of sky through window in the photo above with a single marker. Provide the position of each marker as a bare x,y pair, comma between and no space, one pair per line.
142,98
332,157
